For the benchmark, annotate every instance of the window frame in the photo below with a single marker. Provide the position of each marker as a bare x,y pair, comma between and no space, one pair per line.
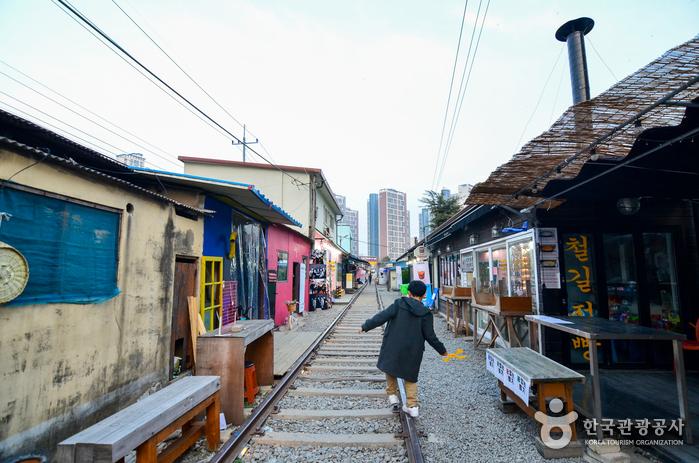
286,266
216,288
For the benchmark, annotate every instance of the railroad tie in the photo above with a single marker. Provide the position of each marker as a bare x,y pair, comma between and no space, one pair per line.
302,439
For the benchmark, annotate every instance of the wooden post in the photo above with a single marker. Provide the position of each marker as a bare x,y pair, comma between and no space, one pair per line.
211,428
147,452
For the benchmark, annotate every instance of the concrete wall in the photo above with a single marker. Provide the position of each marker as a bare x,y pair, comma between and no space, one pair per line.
272,183
327,213
64,367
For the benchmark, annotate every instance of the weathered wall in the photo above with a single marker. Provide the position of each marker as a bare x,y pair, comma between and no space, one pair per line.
66,366
281,239
274,184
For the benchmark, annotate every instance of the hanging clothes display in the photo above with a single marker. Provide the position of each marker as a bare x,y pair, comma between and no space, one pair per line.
319,283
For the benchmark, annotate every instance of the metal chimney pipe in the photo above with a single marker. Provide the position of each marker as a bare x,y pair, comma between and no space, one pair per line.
573,33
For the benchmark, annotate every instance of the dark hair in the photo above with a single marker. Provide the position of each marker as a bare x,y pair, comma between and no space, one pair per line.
417,288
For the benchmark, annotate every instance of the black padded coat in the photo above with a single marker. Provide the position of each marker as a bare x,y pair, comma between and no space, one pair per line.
408,325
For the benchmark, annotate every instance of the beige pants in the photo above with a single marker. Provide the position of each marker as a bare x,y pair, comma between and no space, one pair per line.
410,390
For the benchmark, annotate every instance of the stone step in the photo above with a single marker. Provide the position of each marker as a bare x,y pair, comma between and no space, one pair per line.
301,439
367,379
302,414
336,368
335,360
344,392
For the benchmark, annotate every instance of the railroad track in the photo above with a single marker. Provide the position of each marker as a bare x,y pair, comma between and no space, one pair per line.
331,405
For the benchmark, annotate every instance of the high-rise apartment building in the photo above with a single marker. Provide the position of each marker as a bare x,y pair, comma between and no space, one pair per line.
464,191
394,223
350,217
425,227
372,209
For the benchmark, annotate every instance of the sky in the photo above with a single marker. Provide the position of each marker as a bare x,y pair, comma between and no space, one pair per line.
357,88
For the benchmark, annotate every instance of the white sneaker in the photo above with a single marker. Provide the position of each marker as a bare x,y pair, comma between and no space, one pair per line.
393,400
412,411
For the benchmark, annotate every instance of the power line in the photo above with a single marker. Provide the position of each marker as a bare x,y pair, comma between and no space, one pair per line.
457,112
55,92
602,59
133,66
211,97
538,101
88,119
152,40
451,87
75,12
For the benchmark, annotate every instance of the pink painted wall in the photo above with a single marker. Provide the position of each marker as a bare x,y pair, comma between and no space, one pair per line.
281,238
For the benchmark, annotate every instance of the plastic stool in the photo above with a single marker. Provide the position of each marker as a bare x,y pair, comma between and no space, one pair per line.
250,381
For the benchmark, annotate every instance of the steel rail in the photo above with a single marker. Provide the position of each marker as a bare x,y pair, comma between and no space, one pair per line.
232,448
412,441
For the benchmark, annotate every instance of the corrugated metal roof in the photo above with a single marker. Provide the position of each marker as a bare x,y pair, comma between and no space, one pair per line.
604,126
72,164
244,194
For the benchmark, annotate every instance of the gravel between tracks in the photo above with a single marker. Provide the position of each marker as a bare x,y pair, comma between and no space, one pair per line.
261,453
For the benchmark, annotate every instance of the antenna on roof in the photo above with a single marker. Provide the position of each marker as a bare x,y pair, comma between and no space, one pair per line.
245,143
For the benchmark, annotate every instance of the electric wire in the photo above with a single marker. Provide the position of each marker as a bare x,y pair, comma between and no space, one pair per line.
75,12
87,110
133,66
451,88
59,129
616,79
90,120
538,101
460,101
198,85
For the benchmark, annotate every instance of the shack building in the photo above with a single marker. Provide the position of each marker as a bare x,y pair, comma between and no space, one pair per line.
90,332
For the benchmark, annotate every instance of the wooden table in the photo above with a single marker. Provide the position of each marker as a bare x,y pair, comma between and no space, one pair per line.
491,313
461,311
224,355
600,329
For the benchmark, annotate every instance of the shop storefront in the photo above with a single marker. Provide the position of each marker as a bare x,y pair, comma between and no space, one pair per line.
288,256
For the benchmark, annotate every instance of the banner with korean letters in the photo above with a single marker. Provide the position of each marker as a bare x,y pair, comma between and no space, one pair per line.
510,378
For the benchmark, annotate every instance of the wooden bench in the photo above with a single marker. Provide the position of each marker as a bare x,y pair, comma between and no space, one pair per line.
143,425
529,369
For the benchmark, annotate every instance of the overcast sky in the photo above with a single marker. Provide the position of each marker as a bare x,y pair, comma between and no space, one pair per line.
355,87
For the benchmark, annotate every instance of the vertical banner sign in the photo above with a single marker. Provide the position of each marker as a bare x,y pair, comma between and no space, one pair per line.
421,271
578,256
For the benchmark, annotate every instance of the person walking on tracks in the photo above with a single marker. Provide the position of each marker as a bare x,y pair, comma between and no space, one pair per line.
408,325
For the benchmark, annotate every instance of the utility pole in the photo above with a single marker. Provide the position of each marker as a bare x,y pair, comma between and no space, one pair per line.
245,143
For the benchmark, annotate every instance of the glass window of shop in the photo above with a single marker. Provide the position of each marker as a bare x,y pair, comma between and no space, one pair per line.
505,267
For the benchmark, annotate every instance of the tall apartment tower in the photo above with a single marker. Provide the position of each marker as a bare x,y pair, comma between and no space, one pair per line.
394,223
425,227
372,208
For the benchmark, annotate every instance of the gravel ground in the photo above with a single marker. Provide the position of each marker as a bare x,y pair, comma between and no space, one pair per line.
343,426
324,455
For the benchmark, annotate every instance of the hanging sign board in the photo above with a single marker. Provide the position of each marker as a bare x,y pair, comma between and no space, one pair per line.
510,378
547,245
